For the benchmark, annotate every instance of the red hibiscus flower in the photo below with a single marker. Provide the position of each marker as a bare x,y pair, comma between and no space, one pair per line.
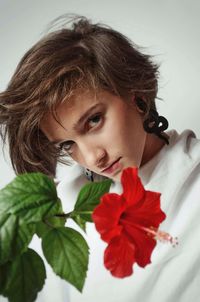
129,224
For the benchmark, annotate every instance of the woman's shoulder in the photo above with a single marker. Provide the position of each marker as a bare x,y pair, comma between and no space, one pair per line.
179,158
183,148
183,144
186,140
184,158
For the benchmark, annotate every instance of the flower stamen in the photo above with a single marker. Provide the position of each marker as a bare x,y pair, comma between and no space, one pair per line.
154,233
161,236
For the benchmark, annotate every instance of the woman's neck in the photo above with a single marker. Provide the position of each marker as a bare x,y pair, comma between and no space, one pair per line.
153,145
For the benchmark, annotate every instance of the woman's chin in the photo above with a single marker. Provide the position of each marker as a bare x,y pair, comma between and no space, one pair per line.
117,176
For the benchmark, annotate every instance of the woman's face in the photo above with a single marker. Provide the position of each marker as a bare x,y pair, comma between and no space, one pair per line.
97,131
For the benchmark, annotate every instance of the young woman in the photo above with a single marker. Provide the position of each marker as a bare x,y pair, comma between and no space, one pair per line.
85,95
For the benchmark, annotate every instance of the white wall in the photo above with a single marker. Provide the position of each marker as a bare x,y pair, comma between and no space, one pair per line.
169,29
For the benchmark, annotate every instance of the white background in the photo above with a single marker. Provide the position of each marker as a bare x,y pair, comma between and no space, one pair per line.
168,29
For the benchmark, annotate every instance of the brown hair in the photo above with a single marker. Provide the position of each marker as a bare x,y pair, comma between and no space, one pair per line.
83,55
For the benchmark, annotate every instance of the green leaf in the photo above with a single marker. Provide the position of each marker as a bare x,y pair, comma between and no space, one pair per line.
3,278
49,223
89,198
53,222
81,222
67,252
30,196
14,237
25,277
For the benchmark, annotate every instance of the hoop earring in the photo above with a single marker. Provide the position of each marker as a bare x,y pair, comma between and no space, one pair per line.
153,121
89,174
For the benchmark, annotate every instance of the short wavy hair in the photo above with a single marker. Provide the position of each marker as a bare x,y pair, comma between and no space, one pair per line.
79,55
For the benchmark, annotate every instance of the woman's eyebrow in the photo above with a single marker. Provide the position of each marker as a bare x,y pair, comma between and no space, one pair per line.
77,125
85,116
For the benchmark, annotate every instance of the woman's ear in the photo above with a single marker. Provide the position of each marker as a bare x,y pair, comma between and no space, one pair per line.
141,105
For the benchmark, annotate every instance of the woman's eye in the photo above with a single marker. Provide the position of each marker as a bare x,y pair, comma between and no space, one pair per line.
66,146
92,121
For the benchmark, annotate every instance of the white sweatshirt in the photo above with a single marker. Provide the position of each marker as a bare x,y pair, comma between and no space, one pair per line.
174,274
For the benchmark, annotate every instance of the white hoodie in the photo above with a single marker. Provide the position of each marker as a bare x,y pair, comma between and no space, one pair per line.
174,274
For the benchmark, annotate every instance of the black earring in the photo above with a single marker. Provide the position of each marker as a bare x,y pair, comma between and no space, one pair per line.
89,174
154,123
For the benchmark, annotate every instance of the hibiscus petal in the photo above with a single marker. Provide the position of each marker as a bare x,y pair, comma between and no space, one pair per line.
144,244
149,213
106,216
119,257
133,190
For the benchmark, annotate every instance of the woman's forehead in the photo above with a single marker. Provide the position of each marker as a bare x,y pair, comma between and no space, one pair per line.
70,113
84,99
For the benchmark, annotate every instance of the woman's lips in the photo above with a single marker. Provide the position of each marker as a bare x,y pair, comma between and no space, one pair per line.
116,165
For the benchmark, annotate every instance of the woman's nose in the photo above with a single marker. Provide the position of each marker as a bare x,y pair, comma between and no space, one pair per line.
93,157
